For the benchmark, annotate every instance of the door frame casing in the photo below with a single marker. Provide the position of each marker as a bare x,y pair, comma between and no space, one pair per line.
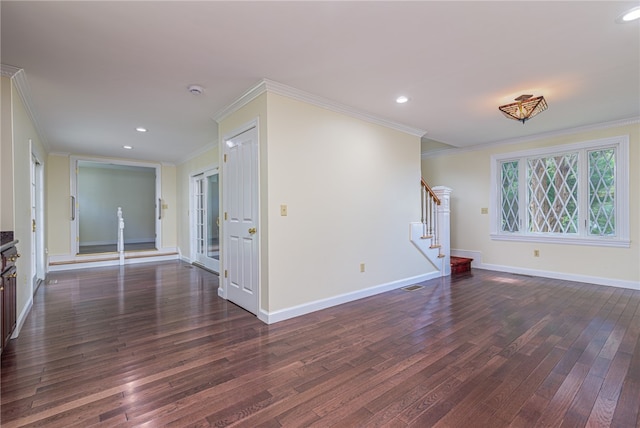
193,252
38,247
224,281
73,178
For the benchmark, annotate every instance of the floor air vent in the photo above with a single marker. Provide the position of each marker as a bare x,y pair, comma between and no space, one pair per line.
412,288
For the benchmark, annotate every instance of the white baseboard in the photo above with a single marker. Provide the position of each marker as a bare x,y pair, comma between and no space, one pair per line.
611,282
22,317
70,262
478,264
114,242
475,255
306,308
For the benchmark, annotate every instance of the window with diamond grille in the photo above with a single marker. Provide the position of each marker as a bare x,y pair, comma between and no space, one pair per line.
575,193
509,196
602,191
553,194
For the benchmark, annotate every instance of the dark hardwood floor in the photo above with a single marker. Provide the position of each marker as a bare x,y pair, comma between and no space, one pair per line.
153,345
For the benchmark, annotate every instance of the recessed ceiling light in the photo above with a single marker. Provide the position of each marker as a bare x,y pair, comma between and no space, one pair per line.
402,99
141,129
630,15
127,147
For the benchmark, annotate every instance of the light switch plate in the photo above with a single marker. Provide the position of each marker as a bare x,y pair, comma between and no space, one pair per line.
283,210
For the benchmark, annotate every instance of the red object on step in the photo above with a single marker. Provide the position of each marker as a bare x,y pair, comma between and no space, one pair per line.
460,265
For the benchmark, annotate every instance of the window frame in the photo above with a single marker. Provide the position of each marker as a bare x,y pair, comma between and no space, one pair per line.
621,237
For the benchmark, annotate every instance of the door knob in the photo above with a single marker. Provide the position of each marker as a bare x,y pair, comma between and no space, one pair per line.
252,230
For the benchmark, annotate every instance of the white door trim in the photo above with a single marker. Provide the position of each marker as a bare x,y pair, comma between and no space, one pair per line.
193,223
37,209
74,214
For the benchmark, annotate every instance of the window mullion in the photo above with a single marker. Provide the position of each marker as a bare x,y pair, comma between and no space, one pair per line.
522,195
583,194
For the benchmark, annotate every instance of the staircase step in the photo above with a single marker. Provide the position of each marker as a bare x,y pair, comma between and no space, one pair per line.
460,264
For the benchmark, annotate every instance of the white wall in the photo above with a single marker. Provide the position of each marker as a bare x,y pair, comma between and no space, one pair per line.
24,132
468,173
6,158
58,201
102,190
351,187
169,196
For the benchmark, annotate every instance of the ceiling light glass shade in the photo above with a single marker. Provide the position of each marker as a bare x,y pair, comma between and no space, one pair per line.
524,108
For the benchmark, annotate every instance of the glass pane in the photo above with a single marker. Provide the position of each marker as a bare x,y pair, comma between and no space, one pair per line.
213,208
602,188
553,194
509,197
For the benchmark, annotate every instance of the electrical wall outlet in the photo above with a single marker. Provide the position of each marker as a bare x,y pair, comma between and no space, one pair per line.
361,267
484,210
536,253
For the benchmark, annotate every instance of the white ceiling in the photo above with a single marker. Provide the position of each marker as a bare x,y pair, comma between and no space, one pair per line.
97,70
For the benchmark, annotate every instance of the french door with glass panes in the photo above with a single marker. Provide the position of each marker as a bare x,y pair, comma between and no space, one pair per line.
206,220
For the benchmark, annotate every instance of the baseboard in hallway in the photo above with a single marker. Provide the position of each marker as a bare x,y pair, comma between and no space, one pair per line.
112,248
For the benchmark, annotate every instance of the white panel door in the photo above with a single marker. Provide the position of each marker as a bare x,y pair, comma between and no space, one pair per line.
34,225
241,223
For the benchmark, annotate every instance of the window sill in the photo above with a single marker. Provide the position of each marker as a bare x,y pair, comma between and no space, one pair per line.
592,242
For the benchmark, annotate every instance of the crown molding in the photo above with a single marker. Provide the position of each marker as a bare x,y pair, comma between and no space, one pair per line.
9,71
19,79
514,141
266,85
250,95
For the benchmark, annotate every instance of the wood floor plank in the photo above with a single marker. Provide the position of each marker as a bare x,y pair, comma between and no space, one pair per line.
153,345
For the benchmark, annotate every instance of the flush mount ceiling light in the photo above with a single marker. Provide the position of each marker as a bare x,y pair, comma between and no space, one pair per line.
524,108
402,99
127,147
630,15
141,129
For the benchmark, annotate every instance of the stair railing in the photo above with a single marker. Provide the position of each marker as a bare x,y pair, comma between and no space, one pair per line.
429,216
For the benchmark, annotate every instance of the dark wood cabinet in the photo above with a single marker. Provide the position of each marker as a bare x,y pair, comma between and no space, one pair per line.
8,293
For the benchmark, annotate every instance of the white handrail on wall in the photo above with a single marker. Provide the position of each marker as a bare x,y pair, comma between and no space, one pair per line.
120,236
